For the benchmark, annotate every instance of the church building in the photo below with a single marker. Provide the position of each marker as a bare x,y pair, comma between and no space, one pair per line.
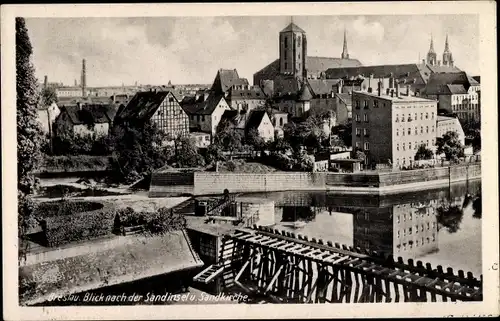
294,66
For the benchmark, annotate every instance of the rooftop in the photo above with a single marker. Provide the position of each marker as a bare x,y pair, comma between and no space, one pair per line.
444,118
401,98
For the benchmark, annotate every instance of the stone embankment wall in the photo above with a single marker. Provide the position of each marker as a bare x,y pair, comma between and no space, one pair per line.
205,183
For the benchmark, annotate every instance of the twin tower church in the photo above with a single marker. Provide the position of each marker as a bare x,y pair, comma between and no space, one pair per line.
293,61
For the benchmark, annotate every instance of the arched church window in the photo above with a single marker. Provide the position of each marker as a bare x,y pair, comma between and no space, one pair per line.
286,42
298,41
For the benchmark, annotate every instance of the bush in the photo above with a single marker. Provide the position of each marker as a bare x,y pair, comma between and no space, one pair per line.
161,221
231,165
76,163
68,221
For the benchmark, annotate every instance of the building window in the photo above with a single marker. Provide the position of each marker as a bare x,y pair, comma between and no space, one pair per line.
421,116
397,118
281,121
427,143
409,131
203,118
432,128
356,103
375,103
358,119
416,131
404,146
358,131
286,65
366,118
286,42
409,145
421,129
365,103
403,132
415,146
397,132
397,146
427,129
432,115
358,144
432,142
365,131
367,146
416,116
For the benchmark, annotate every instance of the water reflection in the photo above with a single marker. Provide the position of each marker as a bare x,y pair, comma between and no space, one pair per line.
440,226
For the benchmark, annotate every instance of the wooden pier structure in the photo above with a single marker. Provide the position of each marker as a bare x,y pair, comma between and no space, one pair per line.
288,268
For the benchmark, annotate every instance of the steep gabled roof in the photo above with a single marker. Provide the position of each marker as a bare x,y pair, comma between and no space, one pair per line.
322,64
254,93
89,114
205,107
442,68
305,94
143,105
225,79
408,73
322,86
439,83
255,118
293,27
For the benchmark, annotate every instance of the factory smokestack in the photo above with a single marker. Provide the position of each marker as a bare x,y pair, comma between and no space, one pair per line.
84,79
45,81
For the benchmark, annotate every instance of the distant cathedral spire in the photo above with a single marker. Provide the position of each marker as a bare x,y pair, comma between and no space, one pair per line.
431,55
447,55
345,53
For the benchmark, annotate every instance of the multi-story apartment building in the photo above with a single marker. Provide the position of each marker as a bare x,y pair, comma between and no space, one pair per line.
389,128
457,93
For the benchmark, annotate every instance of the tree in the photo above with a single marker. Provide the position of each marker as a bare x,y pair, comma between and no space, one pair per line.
214,154
138,149
423,153
186,153
49,96
450,217
228,138
29,133
280,145
254,139
450,145
360,155
344,132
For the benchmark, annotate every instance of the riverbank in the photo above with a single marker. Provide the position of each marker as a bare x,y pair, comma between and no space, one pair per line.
173,183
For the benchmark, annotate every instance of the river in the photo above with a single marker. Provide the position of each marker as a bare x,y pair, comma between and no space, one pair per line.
439,226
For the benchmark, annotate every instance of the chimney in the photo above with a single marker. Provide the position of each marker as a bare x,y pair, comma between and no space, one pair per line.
76,83
387,91
45,81
379,87
408,90
392,92
397,89
369,89
84,79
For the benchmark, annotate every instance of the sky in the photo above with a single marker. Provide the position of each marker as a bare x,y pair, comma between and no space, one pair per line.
190,50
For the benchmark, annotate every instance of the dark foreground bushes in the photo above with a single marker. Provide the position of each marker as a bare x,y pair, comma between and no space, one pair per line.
161,221
68,221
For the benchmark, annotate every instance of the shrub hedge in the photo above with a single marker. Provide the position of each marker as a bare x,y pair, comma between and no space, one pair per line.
69,221
76,163
161,221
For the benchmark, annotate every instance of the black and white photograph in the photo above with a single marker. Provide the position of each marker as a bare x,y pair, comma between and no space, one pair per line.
227,155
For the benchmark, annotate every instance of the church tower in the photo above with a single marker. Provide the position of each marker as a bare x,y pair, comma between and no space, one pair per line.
345,53
431,55
447,55
293,51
